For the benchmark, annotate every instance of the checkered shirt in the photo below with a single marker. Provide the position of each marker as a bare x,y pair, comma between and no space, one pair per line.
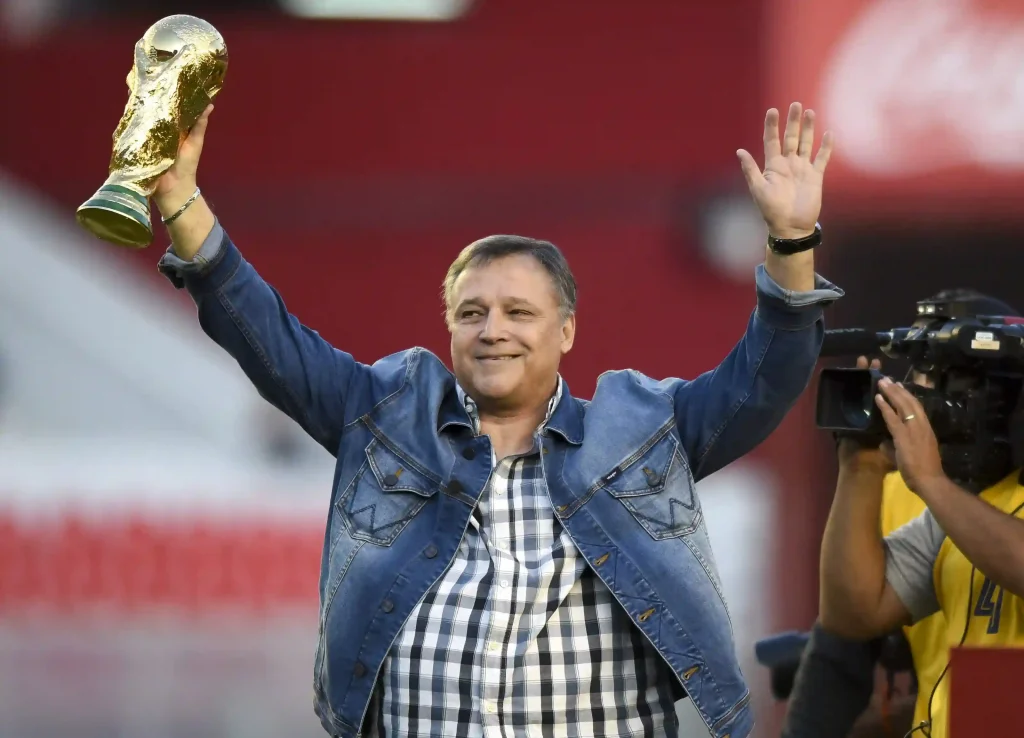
519,639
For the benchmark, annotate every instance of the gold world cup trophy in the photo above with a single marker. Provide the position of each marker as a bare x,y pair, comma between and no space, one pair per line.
180,63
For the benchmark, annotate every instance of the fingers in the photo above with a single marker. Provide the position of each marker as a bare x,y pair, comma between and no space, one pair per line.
904,403
892,420
751,171
806,144
771,134
862,362
876,363
204,117
791,139
798,137
912,404
198,133
824,151
892,402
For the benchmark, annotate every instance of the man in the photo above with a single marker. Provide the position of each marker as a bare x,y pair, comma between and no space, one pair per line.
952,573
502,558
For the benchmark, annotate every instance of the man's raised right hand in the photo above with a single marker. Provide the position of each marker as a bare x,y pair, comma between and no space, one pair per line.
191,227
177,184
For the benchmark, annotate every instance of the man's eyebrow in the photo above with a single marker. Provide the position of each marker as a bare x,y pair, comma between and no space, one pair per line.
477,302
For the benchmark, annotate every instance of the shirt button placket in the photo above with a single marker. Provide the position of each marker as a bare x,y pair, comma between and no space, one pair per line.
503,575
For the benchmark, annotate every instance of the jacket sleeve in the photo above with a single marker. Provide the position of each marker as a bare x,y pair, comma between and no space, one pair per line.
290,365
726,412
833,686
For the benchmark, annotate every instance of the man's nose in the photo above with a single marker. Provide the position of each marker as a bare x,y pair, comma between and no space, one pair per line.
493,328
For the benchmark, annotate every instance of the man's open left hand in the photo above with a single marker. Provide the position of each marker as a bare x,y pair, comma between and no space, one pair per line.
917,449
788,191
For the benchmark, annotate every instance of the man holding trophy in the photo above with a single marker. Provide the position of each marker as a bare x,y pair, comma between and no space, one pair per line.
501,557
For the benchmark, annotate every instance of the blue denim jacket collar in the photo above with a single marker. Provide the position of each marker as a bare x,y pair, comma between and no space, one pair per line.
567,418
452,411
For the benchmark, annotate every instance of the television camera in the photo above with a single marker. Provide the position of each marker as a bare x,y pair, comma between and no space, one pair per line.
973,367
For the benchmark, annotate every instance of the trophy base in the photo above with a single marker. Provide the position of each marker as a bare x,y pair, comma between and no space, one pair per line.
118,215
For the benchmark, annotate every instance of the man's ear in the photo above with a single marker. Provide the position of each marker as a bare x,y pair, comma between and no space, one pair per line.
568,334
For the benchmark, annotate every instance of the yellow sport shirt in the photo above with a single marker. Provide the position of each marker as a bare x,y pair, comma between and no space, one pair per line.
927,638
930,575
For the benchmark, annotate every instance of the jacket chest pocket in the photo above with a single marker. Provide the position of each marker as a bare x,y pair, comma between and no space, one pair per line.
385,494
657,489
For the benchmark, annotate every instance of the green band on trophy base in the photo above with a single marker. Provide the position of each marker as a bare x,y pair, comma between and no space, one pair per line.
118,215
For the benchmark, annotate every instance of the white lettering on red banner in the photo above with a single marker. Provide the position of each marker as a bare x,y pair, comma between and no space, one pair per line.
915,87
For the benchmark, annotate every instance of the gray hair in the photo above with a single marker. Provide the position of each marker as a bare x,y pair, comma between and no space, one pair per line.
492,248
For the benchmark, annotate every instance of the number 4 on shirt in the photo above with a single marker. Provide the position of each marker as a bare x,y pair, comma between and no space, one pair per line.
990,604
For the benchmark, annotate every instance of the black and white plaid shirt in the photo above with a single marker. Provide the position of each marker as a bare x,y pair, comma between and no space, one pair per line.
519,639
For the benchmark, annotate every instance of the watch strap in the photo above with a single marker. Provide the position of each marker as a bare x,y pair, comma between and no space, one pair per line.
788,246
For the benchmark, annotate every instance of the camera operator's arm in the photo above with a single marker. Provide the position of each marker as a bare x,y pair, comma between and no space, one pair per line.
855,600
989,538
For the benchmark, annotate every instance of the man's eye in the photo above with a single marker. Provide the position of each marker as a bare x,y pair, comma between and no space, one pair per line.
520,311
470,313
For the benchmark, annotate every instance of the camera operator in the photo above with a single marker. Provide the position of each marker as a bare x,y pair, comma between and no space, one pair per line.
833,686
830,692
963,556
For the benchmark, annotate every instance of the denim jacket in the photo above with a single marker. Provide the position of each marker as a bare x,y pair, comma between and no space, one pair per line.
620,471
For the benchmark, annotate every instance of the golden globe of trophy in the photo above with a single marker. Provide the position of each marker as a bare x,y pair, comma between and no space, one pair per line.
180,63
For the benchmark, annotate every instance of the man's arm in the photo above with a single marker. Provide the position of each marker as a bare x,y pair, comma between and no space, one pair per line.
178,199
725,413
192,228
990,539
728,411
291,366
870,585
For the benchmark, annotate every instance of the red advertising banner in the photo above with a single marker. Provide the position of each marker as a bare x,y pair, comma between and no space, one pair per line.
926,97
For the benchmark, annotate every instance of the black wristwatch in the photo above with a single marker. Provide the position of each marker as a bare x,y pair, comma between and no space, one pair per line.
788,246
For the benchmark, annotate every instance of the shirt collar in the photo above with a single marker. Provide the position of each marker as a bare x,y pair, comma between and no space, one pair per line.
474,413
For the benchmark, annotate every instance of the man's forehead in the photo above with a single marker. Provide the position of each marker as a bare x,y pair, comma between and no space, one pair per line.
506,263
517,274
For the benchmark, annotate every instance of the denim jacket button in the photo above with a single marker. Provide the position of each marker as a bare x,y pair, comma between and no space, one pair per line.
360,670
391,480
469,453
387,606
431,551
455,487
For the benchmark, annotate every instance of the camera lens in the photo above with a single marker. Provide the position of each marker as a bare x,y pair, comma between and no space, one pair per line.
857,402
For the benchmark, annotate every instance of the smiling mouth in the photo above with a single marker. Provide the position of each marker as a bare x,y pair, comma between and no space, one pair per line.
497,358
